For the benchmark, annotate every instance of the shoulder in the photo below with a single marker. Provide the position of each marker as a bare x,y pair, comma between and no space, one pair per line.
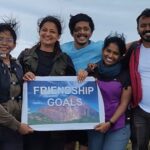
132,45
16,62
27,51
97,43
67,46
67,43
125,73
64,55
124,78
66,58
95,46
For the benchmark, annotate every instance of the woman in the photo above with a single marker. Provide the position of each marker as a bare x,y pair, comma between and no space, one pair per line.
10,86
46,59
114,84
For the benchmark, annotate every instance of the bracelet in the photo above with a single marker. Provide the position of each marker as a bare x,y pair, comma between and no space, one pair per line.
111,123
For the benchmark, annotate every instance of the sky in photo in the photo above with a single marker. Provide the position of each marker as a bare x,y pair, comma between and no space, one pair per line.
108,16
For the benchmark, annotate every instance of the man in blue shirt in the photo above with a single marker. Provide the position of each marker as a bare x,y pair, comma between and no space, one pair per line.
82,52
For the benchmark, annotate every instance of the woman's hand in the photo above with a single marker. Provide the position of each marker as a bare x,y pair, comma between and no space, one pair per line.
103,127
28,76
91,67
25,129
82,74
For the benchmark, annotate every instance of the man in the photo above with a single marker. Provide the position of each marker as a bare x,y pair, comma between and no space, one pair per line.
82,51
140,80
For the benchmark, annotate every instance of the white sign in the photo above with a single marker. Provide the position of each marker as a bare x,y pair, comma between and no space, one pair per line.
62,103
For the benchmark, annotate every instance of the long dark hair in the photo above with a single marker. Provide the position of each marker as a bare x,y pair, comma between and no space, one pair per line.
57,22
118,39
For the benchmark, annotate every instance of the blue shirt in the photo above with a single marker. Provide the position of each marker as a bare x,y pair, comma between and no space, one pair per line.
92,53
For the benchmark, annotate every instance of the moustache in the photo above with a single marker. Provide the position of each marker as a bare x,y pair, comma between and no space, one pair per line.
79,35
144,32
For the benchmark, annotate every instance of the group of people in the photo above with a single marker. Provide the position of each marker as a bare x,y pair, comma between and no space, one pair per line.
122,74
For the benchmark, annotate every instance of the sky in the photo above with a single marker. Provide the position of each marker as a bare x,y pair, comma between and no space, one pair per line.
108,16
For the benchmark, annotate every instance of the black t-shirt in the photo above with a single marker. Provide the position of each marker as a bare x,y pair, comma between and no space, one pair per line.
44,62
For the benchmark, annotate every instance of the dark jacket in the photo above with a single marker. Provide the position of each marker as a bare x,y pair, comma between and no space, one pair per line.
61,65
5,78
10,110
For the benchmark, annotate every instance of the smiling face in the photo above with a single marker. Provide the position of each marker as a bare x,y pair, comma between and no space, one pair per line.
48,34
144,28
6,42
82,33
111,54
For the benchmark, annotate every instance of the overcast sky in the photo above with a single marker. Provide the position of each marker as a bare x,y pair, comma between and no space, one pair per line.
108,16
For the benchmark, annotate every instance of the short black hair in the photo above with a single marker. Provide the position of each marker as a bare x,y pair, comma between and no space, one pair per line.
80,17
10,25
118,39
144,13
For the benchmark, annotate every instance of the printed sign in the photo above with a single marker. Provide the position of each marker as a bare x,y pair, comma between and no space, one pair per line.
62,103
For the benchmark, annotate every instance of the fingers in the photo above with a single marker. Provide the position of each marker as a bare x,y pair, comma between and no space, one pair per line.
103,127
29,76
92,66
97,126
82,74
99,129
25,129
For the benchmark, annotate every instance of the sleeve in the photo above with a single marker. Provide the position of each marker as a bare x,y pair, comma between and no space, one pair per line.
20,59
125,79
8,120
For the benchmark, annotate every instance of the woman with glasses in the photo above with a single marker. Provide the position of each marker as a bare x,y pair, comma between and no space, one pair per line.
11,75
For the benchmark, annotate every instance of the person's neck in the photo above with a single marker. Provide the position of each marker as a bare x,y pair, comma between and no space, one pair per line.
146,44
47,48
6,60
79,46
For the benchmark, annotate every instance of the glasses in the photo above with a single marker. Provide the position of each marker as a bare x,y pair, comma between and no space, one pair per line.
7,40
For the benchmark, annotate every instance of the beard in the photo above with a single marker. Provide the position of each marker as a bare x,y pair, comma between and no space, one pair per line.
145,37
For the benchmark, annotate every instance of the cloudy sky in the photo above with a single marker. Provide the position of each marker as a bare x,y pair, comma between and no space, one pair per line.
108,16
